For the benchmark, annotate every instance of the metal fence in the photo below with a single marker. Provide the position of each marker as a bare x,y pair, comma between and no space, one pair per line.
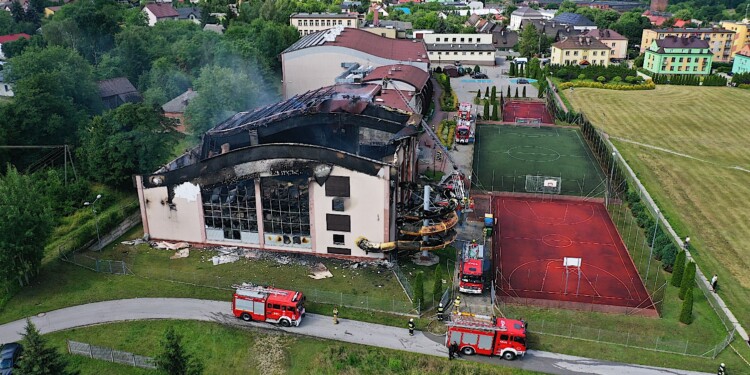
115,267
403,281
111,355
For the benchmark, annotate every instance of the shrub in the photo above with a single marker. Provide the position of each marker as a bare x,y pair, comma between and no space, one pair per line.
581,76
629,79
419,290
617,79
679,269
486,113
495,116
686,314
668,255
562,73
688,277
601,79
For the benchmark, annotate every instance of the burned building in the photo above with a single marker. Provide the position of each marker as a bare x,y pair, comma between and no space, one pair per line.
309,174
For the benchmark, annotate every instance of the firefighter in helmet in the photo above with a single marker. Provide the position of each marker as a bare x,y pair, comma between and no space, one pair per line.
335,315
411,326
457,304
722,369
440,310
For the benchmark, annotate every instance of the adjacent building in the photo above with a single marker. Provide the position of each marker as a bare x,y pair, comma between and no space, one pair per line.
117,91
309,23
742,61
611,38
576,21
192,14
720,40
678,55
10,38
315,60
157,12
523,14
580,50
469,49
741,34
309,175
390,29
176,107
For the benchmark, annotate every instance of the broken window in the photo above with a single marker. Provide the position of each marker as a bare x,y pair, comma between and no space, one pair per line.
229,211
286,210
337,186
338,239
339,223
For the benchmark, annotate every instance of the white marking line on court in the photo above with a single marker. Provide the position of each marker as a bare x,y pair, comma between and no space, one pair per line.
565,216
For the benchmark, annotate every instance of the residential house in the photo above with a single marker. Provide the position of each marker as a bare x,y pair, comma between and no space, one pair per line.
390,29
523,14
315,60
720,40
470,49
656,18
50,11
5,88
156,12
10,38
575,20
309,23
552,29
175,108
742,60
350,6
580,50
678,55
504,39
741,34
117,91
617,42
190,14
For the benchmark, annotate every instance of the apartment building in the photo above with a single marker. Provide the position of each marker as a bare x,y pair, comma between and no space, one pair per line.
741,36
580,50
720,40
678,55
308,23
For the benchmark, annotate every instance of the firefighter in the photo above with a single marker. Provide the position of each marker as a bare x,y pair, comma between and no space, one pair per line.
722,370
335,316
454,348
411,326
457,304
440,310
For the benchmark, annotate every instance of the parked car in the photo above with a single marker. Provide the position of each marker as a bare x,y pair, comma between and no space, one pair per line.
479,76
523,81
9,356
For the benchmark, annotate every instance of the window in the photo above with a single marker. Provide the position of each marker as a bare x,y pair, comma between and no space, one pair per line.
682,59
575,53
504,337
462,40
695,68
317,23
277,306
286,207
671,68
337,204
348,22
673,59
337,186
230,208
339,223
338,239
454,39
594,53
341,22
472,53
567,53
328,22
339,250
299,22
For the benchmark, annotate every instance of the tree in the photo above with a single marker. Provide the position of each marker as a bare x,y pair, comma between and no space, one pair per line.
686,314
25,225
486,113
524,91
567,6
521,70
38,357
419,290
437,285
222,92
132,139
679,269
477,69
495,116
507,95
638,62
493,95
486,91
529,44
479,94
515,96
512,70
173,359
542,88
687,279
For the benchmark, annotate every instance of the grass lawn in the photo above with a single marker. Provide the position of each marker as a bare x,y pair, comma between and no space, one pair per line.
504,155
257,351
689,147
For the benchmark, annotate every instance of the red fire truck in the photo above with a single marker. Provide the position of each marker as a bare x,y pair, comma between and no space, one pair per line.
464,124
471,273
265,304
480,335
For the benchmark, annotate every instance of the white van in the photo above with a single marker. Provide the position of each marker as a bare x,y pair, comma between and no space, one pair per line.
520,60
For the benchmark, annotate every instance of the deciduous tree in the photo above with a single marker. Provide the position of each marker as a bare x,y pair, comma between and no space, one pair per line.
222,92
530,42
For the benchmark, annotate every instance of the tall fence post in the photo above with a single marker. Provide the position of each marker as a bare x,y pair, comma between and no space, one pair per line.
91,354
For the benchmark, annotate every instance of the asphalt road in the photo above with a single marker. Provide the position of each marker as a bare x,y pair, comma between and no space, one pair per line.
313,325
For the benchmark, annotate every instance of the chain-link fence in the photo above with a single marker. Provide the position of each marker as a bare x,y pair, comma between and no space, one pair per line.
111,355
404,281
115,267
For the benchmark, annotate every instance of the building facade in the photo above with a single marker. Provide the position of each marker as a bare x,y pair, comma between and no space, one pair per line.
580,50
741,36
469,49
720,40
157,12
678,55
742,61
611,38
522,14
309,23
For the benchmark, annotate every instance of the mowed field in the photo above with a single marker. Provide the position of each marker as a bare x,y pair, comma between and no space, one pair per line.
690,146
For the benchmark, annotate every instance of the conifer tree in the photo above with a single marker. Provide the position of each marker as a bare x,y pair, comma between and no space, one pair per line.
687,280
679,269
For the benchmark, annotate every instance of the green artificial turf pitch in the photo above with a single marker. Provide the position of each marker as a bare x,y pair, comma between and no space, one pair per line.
504,155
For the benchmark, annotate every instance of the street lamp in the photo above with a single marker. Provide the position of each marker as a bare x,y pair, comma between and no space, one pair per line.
96,218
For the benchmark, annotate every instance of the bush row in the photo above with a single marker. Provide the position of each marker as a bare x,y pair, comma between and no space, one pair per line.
648,85
689,80
445,132
741,79
592,72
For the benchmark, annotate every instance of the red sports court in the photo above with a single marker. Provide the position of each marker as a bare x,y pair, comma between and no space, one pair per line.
565,252
526,111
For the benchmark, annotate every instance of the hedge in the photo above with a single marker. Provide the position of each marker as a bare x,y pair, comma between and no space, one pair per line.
686,314
592,72
648,85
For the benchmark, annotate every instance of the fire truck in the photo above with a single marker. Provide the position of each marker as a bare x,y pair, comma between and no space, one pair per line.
481,335
265,304
471,272
464,124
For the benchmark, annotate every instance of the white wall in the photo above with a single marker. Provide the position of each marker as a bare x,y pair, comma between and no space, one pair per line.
448,57
456,38
150,16
183,222
366,206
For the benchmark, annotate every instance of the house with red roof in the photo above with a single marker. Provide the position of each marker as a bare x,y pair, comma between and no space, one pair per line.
156,12
10,38
315,60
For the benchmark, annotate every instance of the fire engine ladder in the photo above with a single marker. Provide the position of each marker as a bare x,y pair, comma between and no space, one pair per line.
260,289
429,130
471,321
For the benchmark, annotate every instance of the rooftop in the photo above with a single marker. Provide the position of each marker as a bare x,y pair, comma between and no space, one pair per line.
680,42
693,30
178,104
391,99
115,86
580,42
574,19
405,73
526,12
184,13
13,37
162,10
605,34
366,42
745,51
323,15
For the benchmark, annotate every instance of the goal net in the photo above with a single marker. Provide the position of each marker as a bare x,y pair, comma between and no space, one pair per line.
528,120
543,184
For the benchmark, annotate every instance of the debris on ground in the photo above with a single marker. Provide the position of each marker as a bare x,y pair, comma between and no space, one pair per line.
170,246
225,258
134,242
182,253
319,271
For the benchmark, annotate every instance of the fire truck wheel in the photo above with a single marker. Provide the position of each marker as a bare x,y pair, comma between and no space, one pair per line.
468,350
509,356
284,323
246,317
